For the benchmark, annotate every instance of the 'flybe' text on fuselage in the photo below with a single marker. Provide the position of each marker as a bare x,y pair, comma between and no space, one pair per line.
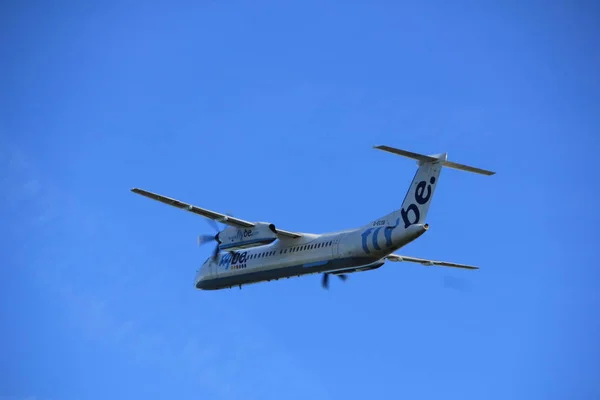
234,260
387,233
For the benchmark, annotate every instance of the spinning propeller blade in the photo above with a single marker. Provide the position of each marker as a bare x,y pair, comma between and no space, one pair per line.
203,239
325,280
215,254
213,223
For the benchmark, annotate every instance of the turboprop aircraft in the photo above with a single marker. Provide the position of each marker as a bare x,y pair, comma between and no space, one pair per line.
249,252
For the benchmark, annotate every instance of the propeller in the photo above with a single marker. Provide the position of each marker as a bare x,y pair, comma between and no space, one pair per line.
325,281
203,239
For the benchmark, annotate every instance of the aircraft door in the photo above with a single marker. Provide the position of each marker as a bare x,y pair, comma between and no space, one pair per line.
339,248
209,269
213,269
335,247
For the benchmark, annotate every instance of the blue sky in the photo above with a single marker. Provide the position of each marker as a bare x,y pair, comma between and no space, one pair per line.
268,110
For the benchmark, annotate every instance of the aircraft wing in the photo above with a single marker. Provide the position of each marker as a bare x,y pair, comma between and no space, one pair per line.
225,219
399,258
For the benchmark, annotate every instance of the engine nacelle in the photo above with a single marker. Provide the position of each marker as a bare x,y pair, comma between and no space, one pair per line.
232,238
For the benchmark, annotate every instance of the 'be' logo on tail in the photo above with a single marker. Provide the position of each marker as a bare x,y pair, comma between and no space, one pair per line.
420,197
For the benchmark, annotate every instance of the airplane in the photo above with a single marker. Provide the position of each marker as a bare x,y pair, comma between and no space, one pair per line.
248,252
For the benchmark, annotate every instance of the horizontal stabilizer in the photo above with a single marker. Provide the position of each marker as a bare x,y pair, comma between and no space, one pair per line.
399,258
439,158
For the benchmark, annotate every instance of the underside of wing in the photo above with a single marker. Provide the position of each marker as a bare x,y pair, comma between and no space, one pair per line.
219,217
423,261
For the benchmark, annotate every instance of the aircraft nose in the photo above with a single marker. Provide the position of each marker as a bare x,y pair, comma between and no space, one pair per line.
199,277
203,283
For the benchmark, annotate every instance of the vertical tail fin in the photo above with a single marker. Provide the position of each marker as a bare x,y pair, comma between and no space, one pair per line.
420,192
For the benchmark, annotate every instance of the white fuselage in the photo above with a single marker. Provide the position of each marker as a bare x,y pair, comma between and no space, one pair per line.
309,254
